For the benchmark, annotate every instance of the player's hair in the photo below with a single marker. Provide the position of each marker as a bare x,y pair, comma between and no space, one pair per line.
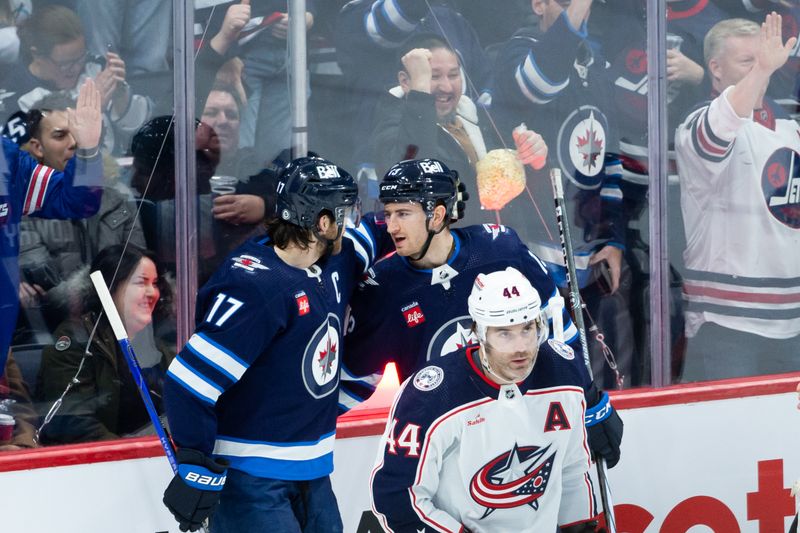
48,27
428,41
283,233
714,42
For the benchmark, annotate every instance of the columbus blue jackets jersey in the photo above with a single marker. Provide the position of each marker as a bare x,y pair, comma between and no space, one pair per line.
257,383
410,316
28,188
461,450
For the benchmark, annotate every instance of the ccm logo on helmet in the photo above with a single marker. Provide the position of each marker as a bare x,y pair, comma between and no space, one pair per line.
328,171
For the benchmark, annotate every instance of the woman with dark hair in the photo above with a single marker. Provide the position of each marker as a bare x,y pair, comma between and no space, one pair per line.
103,402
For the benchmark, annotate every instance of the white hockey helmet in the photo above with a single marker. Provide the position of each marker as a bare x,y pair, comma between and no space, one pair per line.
505,298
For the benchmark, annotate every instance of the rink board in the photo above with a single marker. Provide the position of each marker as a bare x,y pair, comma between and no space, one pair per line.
713,458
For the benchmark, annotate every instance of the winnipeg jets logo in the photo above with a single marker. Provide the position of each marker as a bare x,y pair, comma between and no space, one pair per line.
452,336
780,183
589,142
582,146
512,479
248,263
321,359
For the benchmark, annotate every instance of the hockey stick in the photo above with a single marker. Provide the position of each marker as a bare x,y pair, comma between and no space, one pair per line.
577,310
133,364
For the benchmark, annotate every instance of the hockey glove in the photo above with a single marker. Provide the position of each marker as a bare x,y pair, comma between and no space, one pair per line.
603,425
194,491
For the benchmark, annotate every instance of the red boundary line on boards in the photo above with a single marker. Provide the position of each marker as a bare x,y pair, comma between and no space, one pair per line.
369,422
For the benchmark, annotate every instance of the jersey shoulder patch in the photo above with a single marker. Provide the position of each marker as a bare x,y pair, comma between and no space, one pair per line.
428,378
562,349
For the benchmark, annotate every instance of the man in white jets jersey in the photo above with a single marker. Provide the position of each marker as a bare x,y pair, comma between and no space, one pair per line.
739,166
490,438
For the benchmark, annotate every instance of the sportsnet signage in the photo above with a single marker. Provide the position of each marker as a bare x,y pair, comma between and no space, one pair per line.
413,314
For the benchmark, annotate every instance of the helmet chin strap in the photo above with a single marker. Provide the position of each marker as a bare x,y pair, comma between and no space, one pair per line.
488,369
431,235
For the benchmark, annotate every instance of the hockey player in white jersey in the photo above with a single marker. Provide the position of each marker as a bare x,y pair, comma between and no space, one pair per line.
490,437
412,306
738,161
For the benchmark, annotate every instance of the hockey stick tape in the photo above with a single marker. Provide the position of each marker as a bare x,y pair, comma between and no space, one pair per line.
108,305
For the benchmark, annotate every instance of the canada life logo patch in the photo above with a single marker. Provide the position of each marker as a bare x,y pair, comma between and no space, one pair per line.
780,183
413,314
514,478
303,306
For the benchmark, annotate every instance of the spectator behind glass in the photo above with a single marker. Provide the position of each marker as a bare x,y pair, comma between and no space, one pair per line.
53,57
427,115
12,12
105,403
140,31
53,250
369,34
73,193
262,46
15,400
247,209
737,162
554,77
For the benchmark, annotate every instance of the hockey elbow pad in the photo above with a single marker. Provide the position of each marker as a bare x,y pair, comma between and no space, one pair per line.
194,492
604,427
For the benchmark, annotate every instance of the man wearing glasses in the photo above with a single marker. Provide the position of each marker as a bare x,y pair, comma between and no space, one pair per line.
53,57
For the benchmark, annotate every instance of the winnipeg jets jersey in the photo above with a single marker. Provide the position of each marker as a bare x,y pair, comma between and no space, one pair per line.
459,449
28,188
407,315
558,83
257,382
740,198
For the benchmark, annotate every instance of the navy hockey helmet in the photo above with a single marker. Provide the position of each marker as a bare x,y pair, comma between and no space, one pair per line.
307,186
425,181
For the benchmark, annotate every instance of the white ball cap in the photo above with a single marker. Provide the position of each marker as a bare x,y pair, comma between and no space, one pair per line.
503,298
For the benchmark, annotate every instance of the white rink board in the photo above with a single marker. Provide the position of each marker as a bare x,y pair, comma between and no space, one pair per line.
691,453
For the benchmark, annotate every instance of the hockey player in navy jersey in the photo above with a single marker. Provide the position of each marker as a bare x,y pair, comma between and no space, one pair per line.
30,188
412,306
490,437
253,394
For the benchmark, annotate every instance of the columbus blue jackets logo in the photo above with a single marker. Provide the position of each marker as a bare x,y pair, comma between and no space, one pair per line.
451,336
514,478
428,378
582,146
321,358
780,182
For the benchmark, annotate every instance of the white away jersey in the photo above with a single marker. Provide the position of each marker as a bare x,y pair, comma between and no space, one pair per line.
460,450
740,197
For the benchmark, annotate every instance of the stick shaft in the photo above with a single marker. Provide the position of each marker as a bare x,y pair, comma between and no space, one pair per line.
577,310
133,364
